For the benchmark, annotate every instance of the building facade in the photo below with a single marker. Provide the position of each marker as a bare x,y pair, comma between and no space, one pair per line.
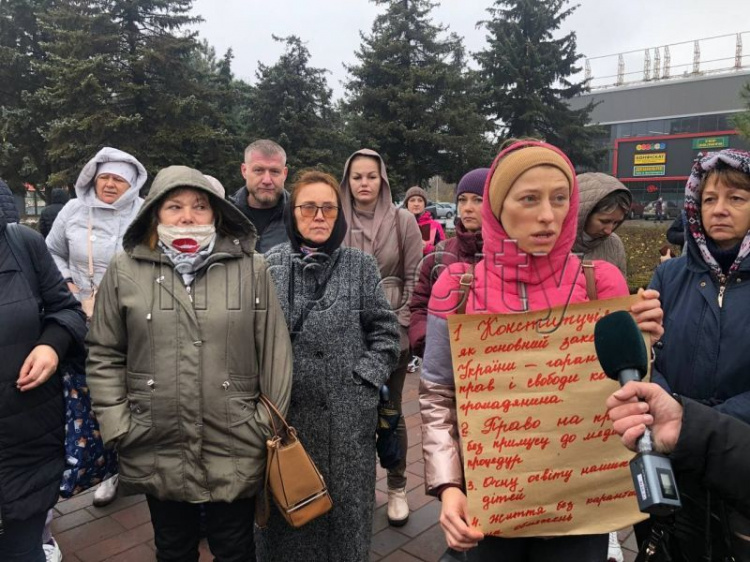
654,130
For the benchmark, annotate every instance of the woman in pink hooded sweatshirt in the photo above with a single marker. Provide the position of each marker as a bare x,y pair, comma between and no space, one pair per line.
529,218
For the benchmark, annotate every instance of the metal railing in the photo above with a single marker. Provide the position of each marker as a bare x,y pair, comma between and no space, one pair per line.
668,61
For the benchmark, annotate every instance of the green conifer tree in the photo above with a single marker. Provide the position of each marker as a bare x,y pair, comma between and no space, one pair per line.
527,76
410,98
291,104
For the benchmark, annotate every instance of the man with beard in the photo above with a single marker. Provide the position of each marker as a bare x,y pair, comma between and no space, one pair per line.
263,197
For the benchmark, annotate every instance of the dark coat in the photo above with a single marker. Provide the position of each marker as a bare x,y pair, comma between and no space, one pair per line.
704,354
31,423
275,232
716,450
465,247
8,209
58,198
347,347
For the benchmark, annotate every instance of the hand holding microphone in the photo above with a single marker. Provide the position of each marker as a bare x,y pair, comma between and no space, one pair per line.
623,356
641,405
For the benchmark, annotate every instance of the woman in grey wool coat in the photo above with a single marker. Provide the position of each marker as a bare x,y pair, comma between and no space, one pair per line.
344,349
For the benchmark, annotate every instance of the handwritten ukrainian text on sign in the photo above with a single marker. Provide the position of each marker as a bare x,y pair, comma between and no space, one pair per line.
650,170
540,455
653,158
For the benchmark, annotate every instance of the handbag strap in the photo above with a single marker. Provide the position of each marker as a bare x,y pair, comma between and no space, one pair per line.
89,244
464,286
400,242
263,508
590,275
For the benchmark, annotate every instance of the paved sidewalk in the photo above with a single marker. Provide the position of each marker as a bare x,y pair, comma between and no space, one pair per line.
121,532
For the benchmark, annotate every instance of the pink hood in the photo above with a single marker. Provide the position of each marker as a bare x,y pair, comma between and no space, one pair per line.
499,279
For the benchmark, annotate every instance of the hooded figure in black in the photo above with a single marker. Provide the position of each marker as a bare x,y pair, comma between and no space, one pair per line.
58,198
345,340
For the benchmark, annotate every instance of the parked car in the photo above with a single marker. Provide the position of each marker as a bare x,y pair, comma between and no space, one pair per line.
671,210
445,210
636,210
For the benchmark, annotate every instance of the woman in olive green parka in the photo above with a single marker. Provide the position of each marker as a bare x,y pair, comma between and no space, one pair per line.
186,333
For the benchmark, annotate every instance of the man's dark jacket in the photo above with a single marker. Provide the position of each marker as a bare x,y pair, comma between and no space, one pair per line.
275,231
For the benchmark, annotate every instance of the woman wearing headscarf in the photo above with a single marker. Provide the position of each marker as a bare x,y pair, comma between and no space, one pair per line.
705,295
41,324
605,202
186,333
465,246
88,232
529,217
377,227
346,342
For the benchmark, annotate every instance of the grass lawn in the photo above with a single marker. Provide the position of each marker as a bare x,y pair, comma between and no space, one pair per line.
642,243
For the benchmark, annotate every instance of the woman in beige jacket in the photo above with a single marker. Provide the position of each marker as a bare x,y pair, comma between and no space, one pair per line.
186,333
377,227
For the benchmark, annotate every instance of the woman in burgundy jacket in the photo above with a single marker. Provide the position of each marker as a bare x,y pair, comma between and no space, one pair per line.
466,246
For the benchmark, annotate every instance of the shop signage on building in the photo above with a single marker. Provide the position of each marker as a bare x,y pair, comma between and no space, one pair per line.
651,170
670,157
647,146
652,158
711,142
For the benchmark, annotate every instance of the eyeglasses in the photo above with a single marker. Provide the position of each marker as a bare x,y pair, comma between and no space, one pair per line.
309,210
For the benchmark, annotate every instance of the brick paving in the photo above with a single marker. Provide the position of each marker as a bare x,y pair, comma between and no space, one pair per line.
122,532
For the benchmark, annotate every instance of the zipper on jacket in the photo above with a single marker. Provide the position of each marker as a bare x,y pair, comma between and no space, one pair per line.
524,296
722,288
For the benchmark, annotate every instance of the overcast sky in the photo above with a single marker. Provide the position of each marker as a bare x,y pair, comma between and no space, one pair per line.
331,28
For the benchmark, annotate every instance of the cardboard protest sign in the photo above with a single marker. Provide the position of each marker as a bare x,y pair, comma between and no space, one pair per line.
540,455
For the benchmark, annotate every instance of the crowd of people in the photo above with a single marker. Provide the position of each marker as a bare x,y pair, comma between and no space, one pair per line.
193,304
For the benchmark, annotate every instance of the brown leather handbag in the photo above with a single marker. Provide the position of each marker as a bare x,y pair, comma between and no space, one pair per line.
297,487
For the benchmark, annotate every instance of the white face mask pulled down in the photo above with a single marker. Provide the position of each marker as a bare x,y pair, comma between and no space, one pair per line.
187,239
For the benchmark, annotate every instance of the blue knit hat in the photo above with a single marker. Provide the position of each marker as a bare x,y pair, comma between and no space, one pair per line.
473,182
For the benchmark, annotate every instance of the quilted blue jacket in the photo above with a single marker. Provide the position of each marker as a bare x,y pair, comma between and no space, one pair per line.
705,346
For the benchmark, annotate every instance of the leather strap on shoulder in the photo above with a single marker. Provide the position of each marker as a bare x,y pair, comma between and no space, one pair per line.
590,274
464,286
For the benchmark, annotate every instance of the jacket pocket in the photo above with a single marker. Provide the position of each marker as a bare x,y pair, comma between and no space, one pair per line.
367,395
247,441
137,449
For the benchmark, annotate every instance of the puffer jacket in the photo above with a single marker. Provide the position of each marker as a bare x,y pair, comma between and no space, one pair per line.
67,241
175,374
32,456
593,188
465,246
8,209
552,280
702,354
